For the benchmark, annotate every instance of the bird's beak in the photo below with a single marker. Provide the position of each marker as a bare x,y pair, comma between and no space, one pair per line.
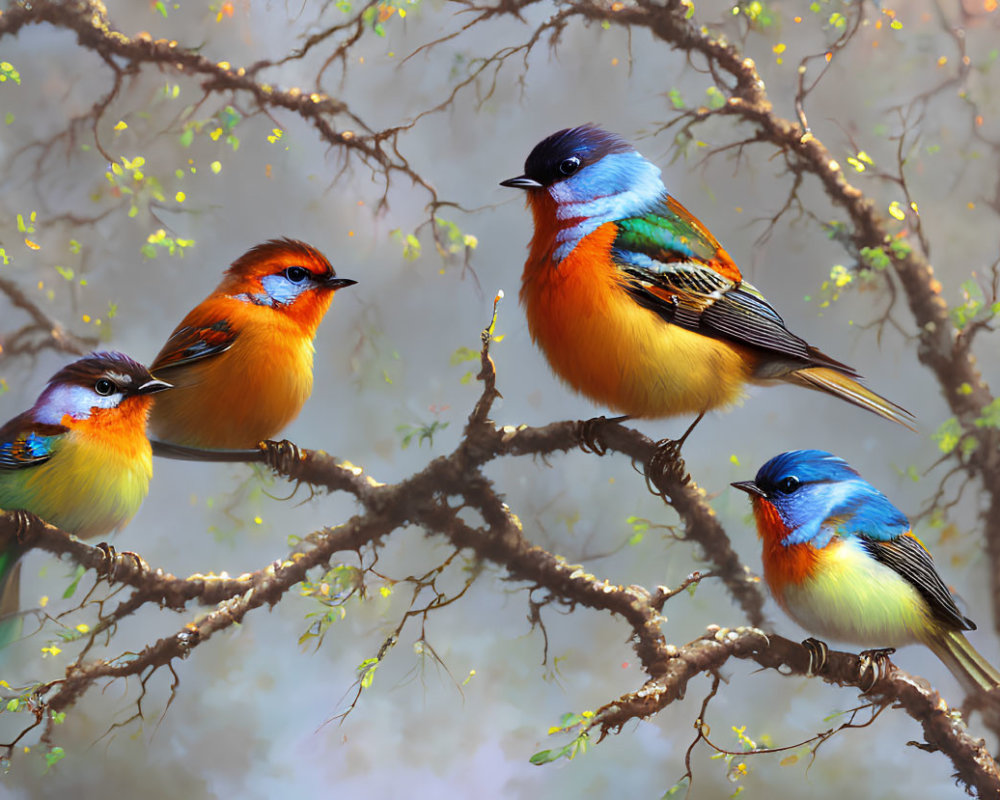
521,182
333,282
154,386
749,487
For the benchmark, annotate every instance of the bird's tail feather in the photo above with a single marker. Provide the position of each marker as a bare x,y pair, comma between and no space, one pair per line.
836,383
974,672
11,620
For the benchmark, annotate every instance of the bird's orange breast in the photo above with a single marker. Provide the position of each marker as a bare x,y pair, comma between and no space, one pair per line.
601,342
247,393
784,565
122,430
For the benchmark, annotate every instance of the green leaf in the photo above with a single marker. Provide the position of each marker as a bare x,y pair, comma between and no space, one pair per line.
411,247
229,118
715,98
900,249
545,757
461,355
948,435
677,788
367,670
54,756
990,418
875,257
71,589
7,72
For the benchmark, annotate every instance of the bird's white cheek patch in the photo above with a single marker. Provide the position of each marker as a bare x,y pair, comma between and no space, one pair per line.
77,401
282,291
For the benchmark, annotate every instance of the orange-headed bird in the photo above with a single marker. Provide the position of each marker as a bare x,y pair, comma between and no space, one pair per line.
634,302
241,361
78,458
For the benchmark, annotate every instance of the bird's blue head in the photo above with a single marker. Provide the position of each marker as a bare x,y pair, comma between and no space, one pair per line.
98,381
565,153
817,494
593,176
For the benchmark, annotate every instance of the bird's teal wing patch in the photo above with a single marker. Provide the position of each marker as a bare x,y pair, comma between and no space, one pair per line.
670,233
27,444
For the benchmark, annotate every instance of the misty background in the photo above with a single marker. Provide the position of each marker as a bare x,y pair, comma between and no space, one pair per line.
254,713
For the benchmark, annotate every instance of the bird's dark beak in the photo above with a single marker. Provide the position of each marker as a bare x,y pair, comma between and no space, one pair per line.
750,488
333,282
521,182
154,386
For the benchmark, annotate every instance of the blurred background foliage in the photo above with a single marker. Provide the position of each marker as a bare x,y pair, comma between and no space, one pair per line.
116,226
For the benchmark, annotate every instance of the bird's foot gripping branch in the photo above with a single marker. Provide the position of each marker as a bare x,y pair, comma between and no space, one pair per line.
423,499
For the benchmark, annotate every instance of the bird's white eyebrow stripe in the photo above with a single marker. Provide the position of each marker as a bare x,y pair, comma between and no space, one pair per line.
119,377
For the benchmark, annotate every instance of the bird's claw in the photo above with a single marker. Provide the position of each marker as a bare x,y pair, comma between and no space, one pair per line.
108,568
19,523
113,560
589,434
281,456
666,462
877,662
818,654
666,465
24,522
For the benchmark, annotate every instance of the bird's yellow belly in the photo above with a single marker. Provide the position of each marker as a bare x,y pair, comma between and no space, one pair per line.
621,355
88,487
855,599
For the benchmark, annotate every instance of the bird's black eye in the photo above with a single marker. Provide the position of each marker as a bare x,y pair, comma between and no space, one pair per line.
296,274
569,165
789,484
104,387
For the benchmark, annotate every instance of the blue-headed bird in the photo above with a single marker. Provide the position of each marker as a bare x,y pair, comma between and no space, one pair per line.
634,302
843,562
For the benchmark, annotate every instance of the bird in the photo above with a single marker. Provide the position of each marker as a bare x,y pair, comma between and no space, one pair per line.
79,459
636,305
241,361
843,562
